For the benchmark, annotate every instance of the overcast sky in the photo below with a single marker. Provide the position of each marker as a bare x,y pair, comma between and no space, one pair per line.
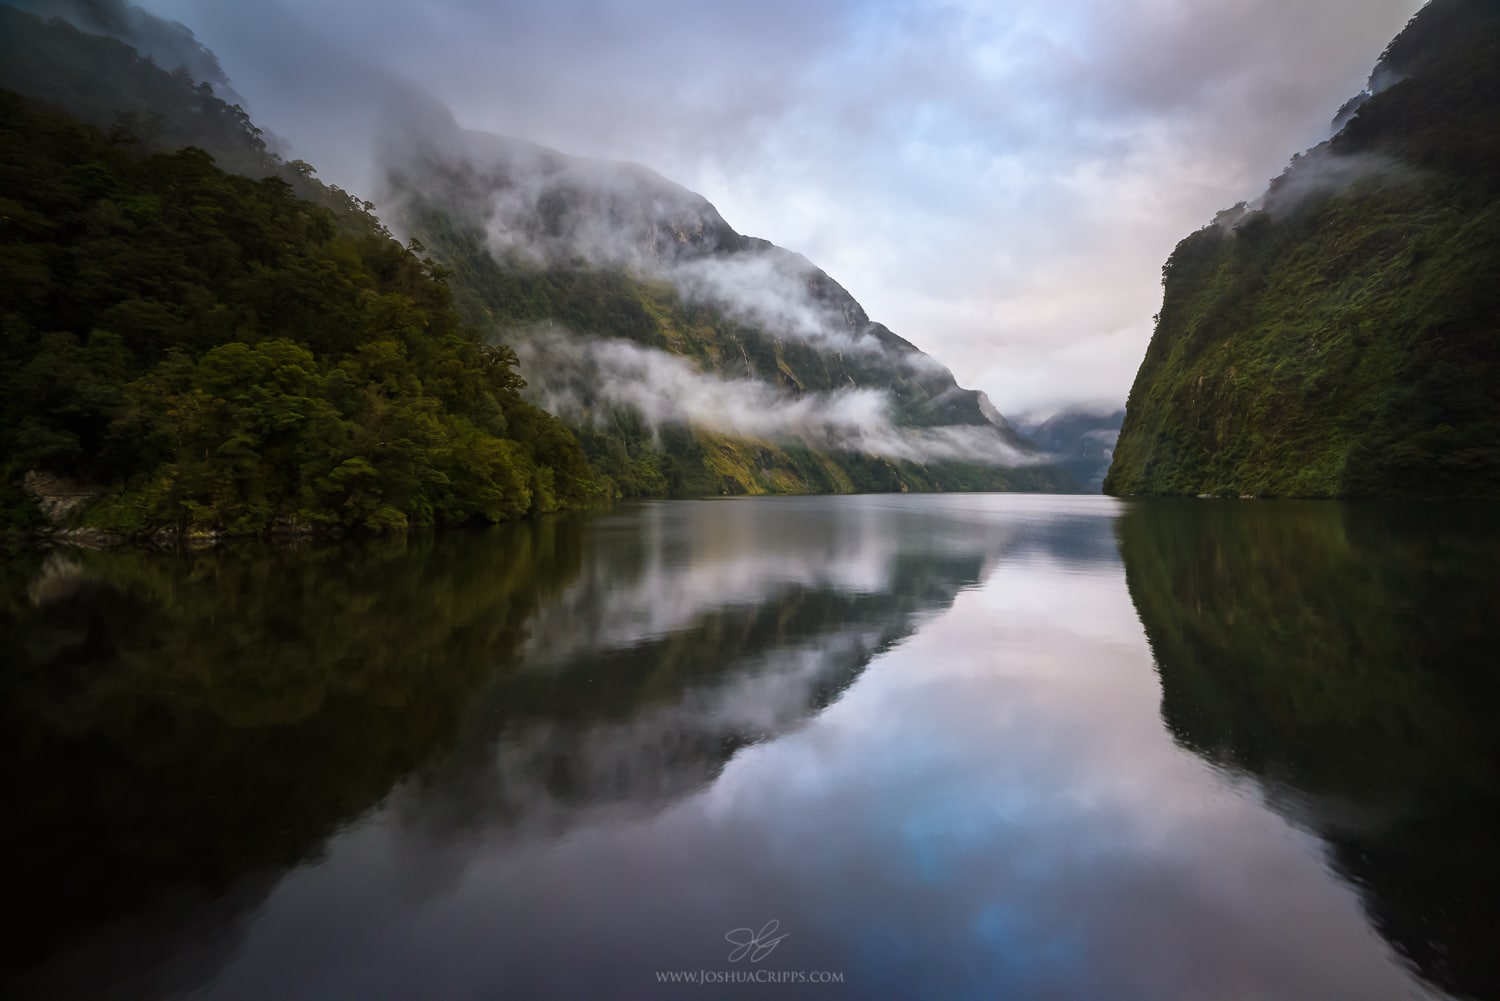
997,182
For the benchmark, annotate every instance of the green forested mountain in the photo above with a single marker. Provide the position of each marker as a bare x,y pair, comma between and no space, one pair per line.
199,335
105,82
199,350
1340,338
630,300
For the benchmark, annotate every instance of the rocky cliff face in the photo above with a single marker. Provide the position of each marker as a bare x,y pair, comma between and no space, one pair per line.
1340,336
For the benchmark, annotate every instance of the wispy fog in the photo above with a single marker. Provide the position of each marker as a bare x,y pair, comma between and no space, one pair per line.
1319,171
583,378
999,183
539,206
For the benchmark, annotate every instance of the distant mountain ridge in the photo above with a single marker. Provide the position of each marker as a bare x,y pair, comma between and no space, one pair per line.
1341,337
1081,439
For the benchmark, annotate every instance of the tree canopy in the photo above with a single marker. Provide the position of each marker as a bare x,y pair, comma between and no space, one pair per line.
208,351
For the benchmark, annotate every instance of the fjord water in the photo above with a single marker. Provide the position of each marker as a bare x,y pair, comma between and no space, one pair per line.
955,746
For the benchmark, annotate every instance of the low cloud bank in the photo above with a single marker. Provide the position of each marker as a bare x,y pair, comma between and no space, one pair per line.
584,378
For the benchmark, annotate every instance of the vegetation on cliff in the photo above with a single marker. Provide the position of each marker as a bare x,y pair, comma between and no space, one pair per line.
210,352
192,346
564,257
1340,338
524,298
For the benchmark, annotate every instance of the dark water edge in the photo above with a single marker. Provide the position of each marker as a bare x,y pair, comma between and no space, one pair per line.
549,758
1344,655
176,721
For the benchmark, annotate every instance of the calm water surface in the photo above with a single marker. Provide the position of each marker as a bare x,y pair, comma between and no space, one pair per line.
953,746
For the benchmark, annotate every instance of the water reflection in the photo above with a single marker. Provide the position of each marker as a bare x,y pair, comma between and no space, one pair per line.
695,630
923,733
183,728
180,728
1345,658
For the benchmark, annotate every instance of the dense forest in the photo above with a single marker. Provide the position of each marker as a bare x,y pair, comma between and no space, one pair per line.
1340,337
201,337
199,351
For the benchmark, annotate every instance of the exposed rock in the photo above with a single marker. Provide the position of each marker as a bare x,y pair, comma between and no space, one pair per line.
57,496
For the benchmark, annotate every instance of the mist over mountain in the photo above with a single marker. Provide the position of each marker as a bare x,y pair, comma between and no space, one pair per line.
1337,337
1081,439
636,309
145,82
688,359
166,43
190,352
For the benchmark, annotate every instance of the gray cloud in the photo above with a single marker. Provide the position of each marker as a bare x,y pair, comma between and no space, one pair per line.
997,183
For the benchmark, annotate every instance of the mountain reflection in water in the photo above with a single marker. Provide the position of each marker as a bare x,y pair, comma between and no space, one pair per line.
925,734
1344,656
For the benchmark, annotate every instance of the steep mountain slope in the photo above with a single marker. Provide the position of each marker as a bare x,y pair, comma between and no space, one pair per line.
1081,439
100,78
195,350
1340,337
688,358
